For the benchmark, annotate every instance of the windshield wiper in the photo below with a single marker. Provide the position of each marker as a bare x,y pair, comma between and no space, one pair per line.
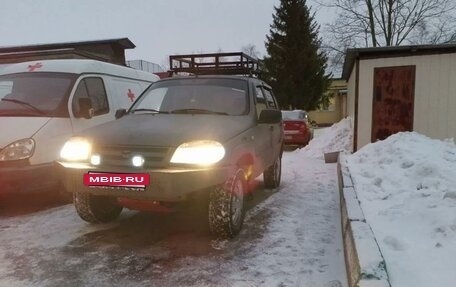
25,104
150,110
196,111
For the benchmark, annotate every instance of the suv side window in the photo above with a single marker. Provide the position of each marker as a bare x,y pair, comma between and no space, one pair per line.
94,89
260,103
269,98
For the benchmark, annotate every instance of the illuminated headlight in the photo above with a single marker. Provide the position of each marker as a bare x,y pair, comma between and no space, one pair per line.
199,152
137,161
76,149
20,149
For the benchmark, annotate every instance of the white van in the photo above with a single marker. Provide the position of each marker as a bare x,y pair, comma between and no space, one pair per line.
43,103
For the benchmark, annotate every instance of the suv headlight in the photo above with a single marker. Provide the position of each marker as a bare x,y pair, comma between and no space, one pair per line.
76,149
20,149
199,152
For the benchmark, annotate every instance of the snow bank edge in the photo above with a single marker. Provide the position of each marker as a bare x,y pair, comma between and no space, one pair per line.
364,262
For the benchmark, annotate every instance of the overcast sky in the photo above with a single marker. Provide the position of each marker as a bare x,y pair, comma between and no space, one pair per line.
158,28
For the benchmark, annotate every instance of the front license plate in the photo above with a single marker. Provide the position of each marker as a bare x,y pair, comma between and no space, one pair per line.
117,180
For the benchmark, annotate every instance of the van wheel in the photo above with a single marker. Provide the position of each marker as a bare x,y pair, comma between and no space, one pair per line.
273,174
96,209
226,206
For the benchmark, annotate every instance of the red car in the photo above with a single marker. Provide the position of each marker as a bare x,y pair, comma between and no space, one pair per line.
296,126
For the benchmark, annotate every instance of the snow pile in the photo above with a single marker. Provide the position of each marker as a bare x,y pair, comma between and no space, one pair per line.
338,137
407,188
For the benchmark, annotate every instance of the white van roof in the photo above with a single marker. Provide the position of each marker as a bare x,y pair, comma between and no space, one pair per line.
79,66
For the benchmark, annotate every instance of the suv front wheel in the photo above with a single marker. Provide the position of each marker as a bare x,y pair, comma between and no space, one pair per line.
273,174
96,209
226,206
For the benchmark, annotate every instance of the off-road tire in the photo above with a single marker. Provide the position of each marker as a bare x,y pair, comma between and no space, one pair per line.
96,209
222,206
273,174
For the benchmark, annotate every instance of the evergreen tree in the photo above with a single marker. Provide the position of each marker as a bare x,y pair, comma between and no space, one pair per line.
295,65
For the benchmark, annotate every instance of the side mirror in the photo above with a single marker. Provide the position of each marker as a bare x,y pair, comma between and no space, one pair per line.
270,116
85,108
120,113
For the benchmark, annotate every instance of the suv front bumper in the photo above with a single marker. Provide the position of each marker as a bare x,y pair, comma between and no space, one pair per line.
170,184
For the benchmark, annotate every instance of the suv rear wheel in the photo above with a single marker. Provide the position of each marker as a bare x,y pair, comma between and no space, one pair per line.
273,174
226,206
96,209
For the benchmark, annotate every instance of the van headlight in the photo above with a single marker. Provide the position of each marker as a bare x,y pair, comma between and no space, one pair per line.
76,149
199,152
21,149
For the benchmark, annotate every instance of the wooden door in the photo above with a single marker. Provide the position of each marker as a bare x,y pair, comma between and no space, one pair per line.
393,102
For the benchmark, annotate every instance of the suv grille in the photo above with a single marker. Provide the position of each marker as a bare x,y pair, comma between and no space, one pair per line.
121,155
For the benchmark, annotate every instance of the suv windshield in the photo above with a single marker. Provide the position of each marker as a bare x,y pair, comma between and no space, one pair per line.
35,94
195,96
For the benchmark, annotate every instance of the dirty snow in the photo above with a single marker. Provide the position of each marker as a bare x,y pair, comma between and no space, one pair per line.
291,238
338,137
407,188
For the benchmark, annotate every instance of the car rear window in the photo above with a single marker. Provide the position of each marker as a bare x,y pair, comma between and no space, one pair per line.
294,115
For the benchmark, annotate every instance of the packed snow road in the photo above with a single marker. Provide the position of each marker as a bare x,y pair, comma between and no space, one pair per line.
291,237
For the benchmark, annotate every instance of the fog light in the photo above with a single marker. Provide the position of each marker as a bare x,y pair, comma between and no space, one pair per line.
137,161
95,159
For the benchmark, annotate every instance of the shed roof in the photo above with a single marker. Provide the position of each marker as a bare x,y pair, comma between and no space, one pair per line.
393,51
122,42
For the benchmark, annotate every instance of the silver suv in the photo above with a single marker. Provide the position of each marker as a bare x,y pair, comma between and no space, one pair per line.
205,135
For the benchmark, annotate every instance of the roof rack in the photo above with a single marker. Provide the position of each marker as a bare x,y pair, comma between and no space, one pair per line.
236,63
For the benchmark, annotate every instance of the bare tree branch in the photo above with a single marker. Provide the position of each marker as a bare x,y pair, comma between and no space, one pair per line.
373,23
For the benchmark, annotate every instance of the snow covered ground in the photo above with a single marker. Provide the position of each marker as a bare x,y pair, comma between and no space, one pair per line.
406,185
291,237
319,131
407,188
338,137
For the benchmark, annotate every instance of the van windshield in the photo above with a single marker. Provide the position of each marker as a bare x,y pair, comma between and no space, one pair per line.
35,94
195,96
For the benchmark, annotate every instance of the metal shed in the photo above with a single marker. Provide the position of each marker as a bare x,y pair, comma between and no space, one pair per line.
405,88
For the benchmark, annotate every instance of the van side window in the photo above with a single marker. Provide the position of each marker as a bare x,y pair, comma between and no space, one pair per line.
260,101
269,98
94,89
5,88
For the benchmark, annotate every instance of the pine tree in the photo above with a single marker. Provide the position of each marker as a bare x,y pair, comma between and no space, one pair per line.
295,65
